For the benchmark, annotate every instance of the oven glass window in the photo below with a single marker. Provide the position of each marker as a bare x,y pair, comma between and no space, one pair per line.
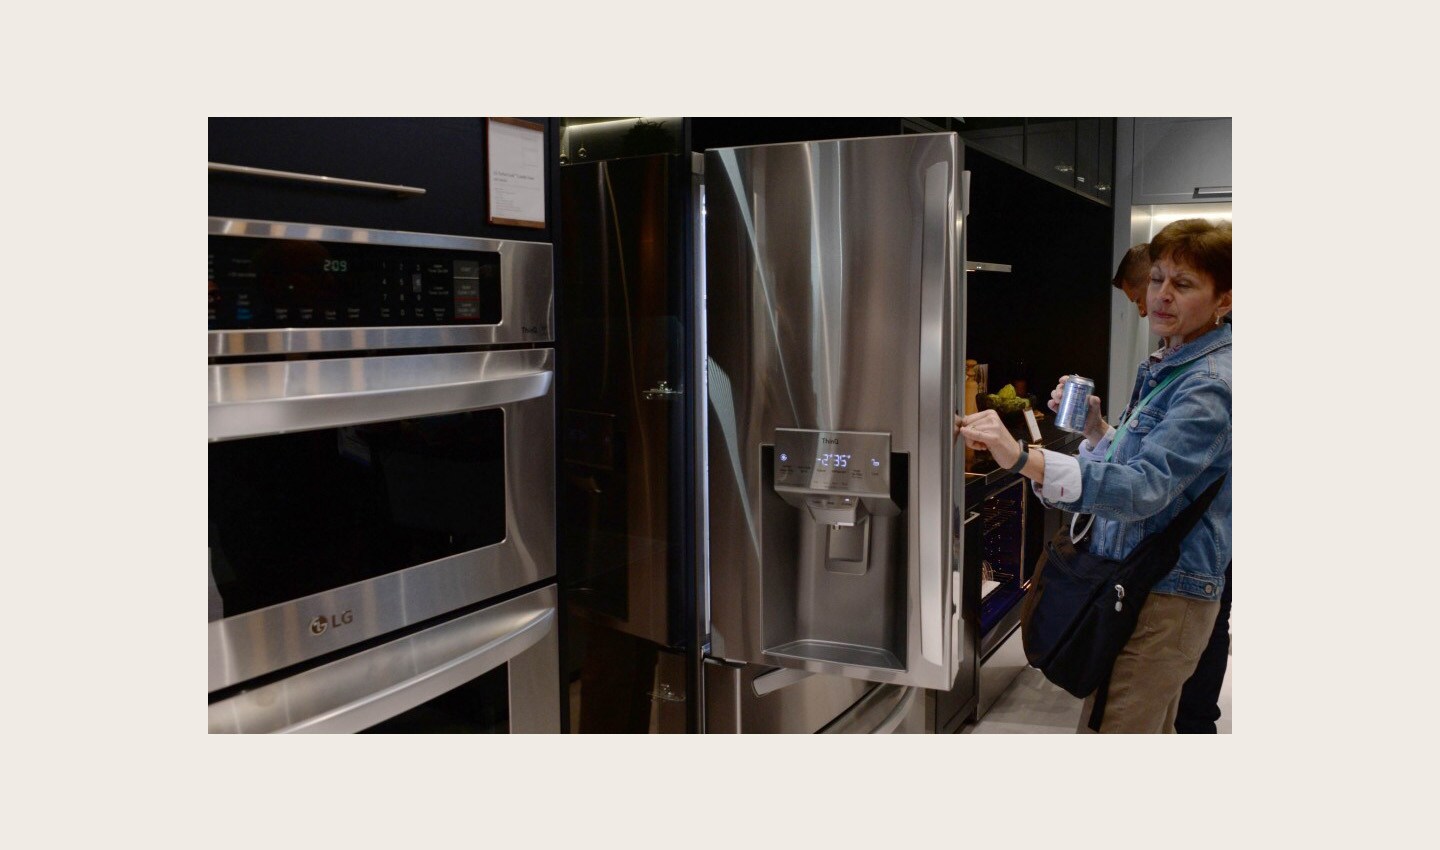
296,514
480,705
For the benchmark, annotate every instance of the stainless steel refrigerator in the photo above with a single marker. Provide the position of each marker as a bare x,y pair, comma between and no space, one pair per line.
834,325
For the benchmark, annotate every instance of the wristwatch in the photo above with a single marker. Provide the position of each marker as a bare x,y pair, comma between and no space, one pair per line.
1020,461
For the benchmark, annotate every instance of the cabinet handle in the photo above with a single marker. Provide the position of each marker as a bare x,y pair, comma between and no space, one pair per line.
1064,169
1212,191
663,391
408,191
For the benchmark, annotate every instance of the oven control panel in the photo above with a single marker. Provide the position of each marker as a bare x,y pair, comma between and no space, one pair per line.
291,283
856,462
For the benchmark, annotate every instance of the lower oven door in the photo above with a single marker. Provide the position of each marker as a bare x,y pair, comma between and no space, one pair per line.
352,497
492,670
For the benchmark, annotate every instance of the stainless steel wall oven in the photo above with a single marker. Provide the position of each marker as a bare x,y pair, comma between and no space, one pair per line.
381,481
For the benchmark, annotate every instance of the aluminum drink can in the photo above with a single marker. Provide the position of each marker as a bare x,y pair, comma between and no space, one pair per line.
1074,404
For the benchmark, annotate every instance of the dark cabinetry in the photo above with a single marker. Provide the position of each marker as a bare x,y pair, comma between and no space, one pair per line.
1095,158
1050,149
1077,153
1178,160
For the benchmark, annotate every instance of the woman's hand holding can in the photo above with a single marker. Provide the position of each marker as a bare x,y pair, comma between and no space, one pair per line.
1094,423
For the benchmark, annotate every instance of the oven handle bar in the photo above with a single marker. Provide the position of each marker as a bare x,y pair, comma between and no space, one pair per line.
417,690
298,177
239,419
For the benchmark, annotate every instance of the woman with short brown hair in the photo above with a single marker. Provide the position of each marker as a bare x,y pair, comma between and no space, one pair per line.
1174,441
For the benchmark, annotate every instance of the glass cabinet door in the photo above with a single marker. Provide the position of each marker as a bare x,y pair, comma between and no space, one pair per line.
1050,149
1095,157
1003,138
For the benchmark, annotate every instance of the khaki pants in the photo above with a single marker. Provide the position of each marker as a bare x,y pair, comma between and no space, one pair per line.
1152,667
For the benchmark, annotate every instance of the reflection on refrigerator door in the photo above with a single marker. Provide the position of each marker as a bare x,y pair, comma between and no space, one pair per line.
624,476
833,298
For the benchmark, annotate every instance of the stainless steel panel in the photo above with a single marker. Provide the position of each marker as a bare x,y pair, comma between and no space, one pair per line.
733,702
722,697
256,399
834,299
361,690
527,295
535,680
258,642
999,670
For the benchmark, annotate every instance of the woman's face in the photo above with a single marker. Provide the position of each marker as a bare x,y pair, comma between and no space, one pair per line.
1182,302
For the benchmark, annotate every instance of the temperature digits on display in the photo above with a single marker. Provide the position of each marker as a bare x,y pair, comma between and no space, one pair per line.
832,461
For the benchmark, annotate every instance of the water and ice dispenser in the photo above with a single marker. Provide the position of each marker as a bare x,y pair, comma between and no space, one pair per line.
838,554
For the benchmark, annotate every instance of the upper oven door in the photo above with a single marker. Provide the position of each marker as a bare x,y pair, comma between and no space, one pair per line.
280,288
351,497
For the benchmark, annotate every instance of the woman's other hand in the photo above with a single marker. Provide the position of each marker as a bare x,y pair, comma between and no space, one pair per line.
1094,423
984,430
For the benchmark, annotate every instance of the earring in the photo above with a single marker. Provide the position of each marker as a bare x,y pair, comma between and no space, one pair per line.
1217,319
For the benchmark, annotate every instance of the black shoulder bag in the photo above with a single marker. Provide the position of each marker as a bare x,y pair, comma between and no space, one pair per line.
1082,608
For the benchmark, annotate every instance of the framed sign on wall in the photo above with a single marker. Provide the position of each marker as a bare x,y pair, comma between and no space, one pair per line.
517,172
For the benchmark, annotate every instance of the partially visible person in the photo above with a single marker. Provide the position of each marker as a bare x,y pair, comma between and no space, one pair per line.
1174,446
1133,276
1200,698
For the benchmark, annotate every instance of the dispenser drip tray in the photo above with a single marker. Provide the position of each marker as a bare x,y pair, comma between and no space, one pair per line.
837,653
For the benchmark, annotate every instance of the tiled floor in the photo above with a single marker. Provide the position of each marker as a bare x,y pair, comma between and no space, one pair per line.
1031,705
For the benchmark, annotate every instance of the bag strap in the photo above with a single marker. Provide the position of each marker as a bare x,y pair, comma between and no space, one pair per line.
1097,713
1186,519
1130,416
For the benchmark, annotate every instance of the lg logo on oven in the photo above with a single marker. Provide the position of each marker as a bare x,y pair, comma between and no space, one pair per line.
322,622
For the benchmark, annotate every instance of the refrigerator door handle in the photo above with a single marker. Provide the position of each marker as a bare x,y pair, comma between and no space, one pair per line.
854,719
897,714
935,271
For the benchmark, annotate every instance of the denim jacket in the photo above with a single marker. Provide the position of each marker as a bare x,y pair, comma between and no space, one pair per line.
1173,450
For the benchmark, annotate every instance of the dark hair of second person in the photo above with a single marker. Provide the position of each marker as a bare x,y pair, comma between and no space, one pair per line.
1133,275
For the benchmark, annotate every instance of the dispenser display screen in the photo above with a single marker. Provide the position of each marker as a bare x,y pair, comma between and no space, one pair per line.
844,461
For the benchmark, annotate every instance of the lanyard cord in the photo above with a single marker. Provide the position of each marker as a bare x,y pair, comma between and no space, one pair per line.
1132,415
1120,432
